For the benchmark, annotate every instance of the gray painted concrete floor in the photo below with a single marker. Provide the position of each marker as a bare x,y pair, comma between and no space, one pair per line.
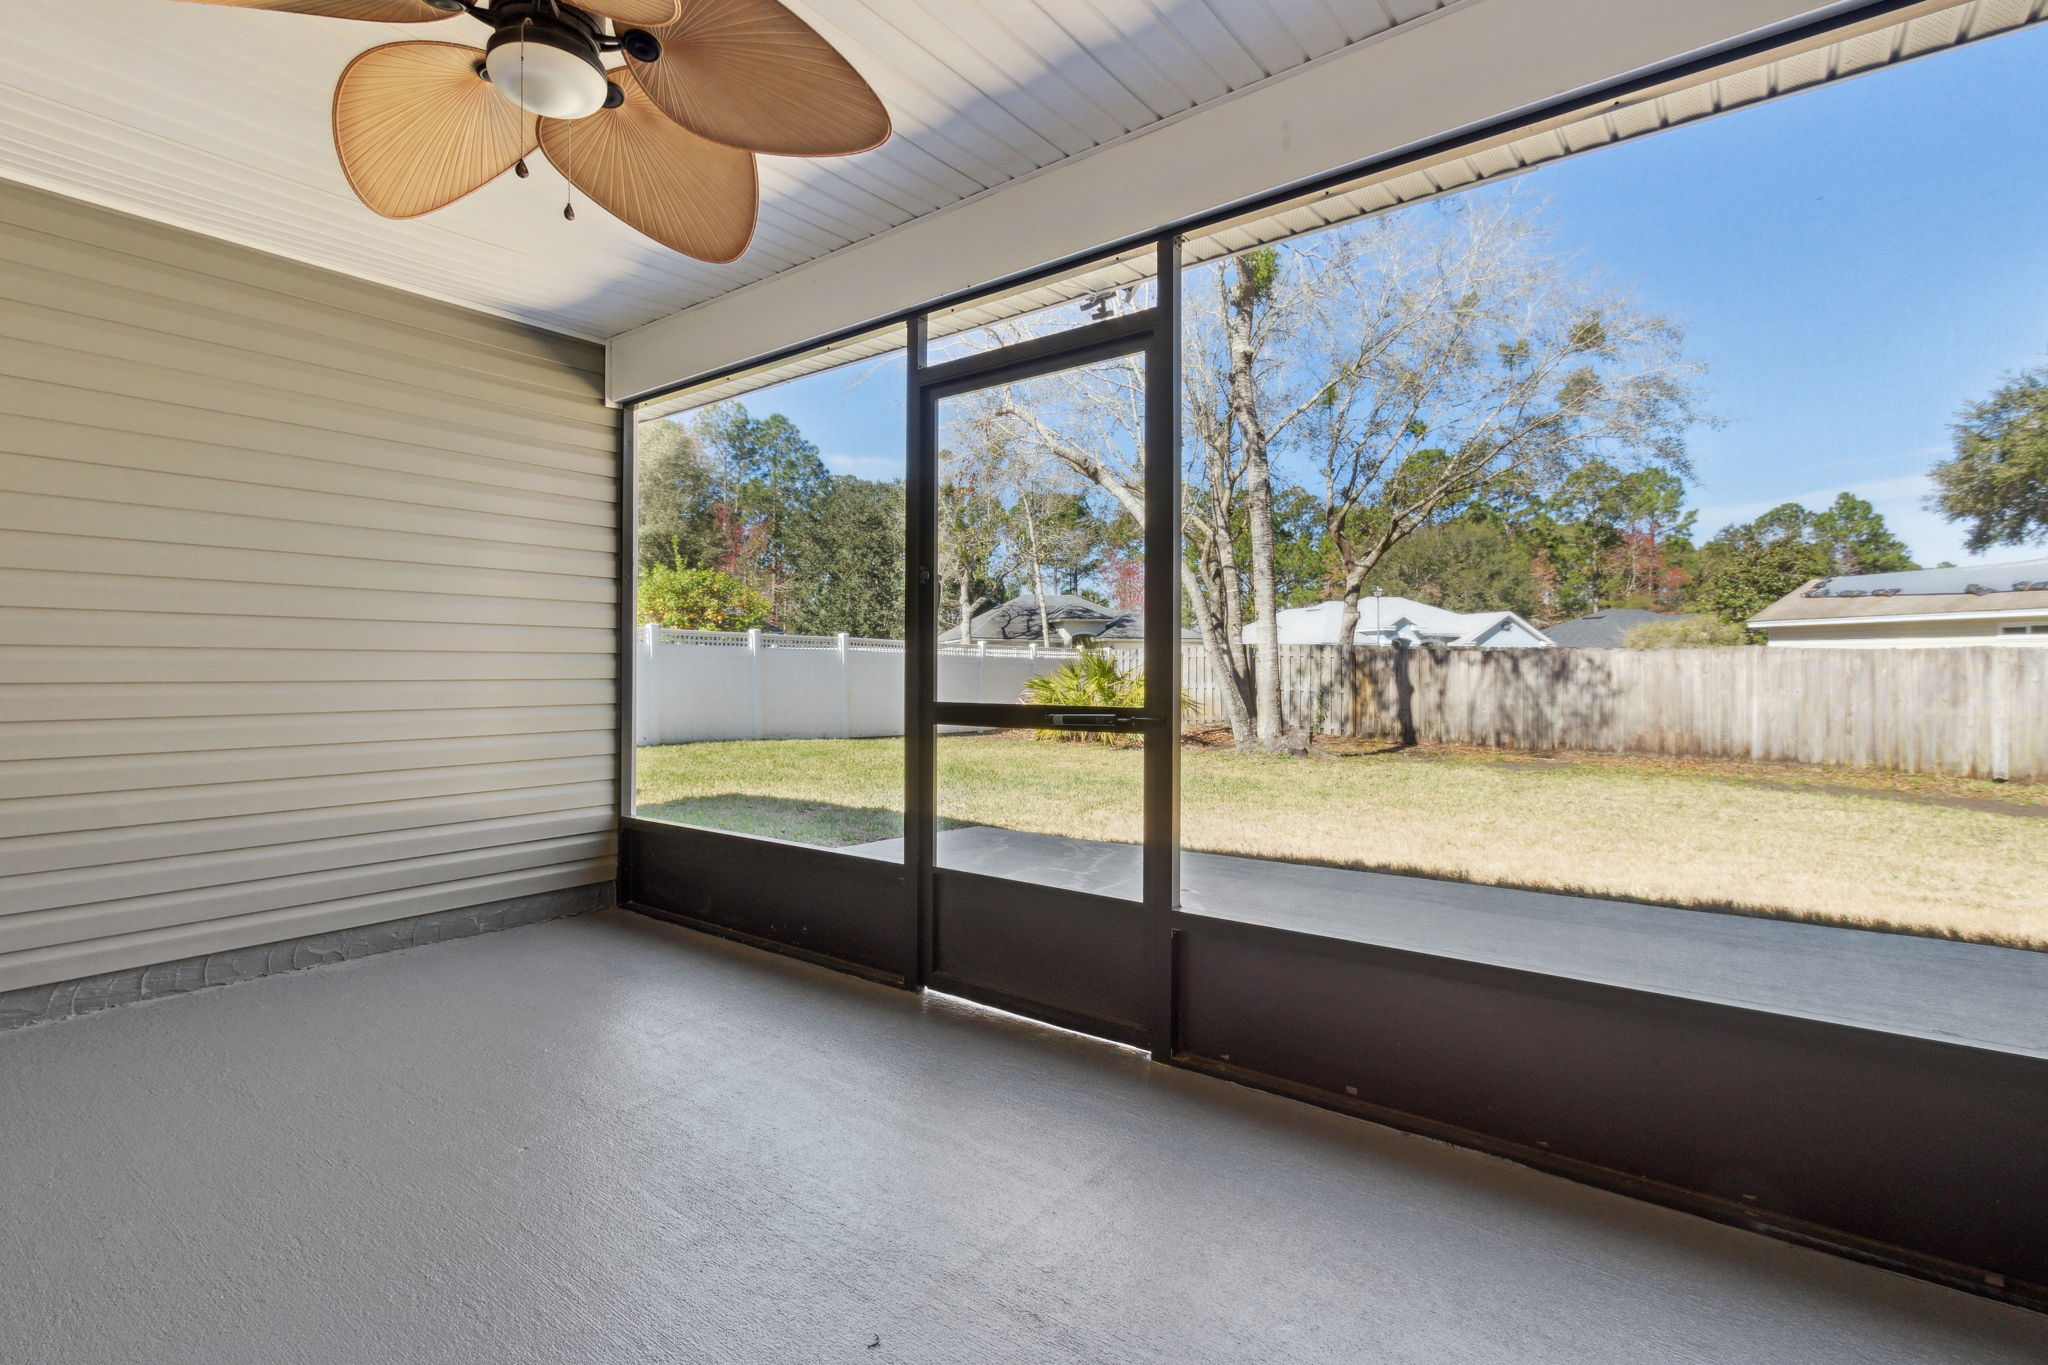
607,1139
1936,988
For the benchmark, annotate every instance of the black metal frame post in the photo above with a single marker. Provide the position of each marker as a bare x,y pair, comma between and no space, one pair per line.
1163,644
920,662
628,694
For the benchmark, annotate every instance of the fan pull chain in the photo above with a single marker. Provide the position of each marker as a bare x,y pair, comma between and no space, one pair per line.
524,24
568,182
568,185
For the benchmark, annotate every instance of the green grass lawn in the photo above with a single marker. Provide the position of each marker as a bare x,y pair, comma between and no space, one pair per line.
1871,849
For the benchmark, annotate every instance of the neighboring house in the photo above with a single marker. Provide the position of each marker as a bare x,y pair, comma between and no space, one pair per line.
1400,621
1984,604
1017,621
1607,629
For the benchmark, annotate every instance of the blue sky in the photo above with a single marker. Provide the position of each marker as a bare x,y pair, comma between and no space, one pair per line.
1853,264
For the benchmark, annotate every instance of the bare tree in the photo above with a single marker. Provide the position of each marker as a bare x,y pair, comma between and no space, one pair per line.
1457,360
971,518
1406,366
1243,396
1000,495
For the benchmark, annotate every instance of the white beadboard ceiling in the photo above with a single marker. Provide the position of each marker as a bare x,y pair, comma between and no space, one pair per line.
216,119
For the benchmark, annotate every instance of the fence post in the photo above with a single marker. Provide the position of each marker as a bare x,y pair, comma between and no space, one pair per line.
646,703
2001,713
754,678
845,691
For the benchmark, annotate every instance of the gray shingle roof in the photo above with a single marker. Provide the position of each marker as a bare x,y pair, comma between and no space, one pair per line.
1606,629
2019,575
1017,619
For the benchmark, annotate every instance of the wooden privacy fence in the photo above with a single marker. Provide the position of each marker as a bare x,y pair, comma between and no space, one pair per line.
1968,712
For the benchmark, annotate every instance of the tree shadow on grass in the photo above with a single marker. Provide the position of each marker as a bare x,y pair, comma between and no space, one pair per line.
822,824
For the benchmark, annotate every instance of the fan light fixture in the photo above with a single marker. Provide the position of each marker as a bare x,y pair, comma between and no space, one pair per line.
666,141
548,67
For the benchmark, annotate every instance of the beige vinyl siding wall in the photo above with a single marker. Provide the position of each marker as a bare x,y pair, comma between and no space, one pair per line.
1881,634
306,599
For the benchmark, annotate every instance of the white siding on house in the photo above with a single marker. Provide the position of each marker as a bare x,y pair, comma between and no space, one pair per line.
306,599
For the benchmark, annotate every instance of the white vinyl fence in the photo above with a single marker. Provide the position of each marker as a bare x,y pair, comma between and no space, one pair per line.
705,684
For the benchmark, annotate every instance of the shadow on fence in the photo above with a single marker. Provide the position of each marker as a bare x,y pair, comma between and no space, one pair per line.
1967,712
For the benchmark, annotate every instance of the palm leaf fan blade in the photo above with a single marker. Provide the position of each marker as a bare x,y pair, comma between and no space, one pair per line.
369,11
750,74
639,13
689,194
416,128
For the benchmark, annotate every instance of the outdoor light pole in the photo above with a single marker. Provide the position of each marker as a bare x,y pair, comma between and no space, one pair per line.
1379,621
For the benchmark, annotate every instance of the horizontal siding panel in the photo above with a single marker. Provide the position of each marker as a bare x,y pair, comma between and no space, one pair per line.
575,474
421,478
67,381
128,385
93,956
121,811
130,521
343,511
81,592
131,309
119,663
222,270
126,361
141,772
39,853
307,600
28,626
223,379
157,877
95,555
90,738
136,701
51,928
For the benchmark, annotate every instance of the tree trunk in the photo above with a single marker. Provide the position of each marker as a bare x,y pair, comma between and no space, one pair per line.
1347,620
1238,316
1222,615
1237,706
1037,571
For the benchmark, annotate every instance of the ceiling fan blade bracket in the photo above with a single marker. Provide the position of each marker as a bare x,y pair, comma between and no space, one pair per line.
640,45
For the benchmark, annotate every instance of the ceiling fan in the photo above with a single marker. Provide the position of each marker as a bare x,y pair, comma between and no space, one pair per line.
666,142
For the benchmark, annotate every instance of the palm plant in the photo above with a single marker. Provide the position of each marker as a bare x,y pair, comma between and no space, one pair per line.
1092,682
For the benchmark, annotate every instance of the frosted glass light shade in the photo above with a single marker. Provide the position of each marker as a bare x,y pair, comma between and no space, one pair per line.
546,80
